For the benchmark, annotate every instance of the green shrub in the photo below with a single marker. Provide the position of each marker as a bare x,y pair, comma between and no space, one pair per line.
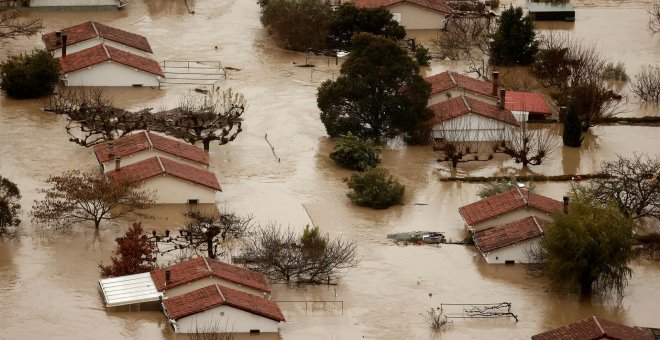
375,188
29,75
503,185
422,56
615,72
299,25
354,153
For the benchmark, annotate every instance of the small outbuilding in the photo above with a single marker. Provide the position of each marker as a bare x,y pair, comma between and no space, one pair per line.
596,328
218,309
131,293
103,65
508,207
172,182
448,85
142,145
527,105
548,11
413,14
508,243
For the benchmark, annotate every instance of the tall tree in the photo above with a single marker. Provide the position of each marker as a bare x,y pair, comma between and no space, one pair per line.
572,135
514,42
349,20
12,26
378,94
586,250
137,254
76,196
10,207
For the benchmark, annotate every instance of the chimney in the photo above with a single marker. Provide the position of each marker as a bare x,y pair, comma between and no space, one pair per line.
58,38
64,45
565,204
111,145
496,82
502,97
117,163
168,275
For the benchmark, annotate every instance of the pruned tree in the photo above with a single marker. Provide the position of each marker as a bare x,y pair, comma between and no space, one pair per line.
586,250
205,118
76,196
526,145
468,38
654,20
10,207
12,26
646,84
282,254
207,232
632,184
136,254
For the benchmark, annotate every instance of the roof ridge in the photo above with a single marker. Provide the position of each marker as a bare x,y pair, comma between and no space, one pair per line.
452,78
537,224
162,167
602,331
207,265
220,292
466,104
106,51
98,34
151,145
522,196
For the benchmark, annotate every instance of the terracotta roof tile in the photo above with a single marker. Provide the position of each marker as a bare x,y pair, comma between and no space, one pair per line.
90,30
528,102
448,80
156,166
436,5
595,328
144,140
508,234
459,106
202,267
102,53
496,205
216,295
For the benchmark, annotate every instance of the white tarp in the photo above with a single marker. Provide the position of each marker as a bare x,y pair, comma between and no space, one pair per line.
129,289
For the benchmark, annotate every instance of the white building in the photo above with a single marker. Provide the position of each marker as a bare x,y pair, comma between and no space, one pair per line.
94,4
507,207
201,272
171,181
218,309
448,85
142,145
413,14
90,34
509,243
467,119
130,293
103,65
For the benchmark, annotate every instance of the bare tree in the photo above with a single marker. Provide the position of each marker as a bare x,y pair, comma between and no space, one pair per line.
527,146
654,20
467,38
206,118
87,196
647,83
13,27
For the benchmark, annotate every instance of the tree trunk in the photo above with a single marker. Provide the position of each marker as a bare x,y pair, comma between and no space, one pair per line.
207,144
454,163
97,223
586,289
209,247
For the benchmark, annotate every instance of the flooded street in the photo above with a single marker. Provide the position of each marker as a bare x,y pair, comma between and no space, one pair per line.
48,280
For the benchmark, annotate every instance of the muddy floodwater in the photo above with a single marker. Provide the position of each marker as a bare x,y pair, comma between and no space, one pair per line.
48,280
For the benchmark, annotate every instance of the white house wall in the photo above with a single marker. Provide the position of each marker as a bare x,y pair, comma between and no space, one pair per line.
415,17
514,252
110,74
170,189
146,154
96,41
457,92
225,319
207,281
73,3
470,127
508,218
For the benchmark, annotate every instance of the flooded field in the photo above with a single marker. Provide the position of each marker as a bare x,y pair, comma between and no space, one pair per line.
48,280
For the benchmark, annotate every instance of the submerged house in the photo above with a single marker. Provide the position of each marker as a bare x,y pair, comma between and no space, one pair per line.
597,328
509,242
172,182
83,4
92,33
548,11
413,14
218,309
448,85
527,105
135,292
142,145
464,118
508,207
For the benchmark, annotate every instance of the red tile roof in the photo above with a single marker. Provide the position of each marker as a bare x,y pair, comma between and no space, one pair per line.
528,102
102,53
202,267
144,140
90,30
436,5
595,328
508,234
459,106
216,295
448,80
496,205
156,166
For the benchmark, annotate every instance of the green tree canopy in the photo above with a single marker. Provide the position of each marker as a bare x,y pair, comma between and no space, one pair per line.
587,250
350,20
299,25
375,188
378,94
29,75
354,153
514,42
